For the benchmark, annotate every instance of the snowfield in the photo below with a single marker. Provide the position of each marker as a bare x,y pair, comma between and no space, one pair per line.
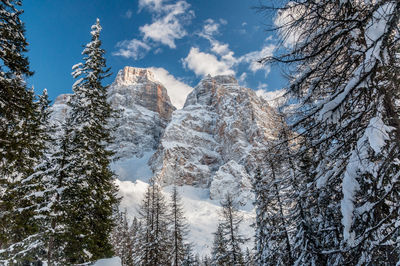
108,262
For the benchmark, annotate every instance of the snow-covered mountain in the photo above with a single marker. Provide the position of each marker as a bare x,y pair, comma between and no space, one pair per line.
217,140
210,147
145,111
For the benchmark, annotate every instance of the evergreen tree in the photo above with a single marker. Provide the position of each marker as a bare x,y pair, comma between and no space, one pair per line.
85,207
155,236
134,232
274,206
249,258
179,228
346,89
188,258
122,239
231,220
219,249
29,202
21,147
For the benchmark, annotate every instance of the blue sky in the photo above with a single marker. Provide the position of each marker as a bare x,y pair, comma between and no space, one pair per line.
181,40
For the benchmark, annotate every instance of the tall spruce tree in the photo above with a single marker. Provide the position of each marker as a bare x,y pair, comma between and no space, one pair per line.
122,239
21,147
346,89
219,254
188,258
179,228
275,210
88,200
230,224
29,200
155,236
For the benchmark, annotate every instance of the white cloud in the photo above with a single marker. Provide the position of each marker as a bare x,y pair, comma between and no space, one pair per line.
220,48
262,86
253,57
135,49
204,63
177,90
210,28
274,98
168,27
222,59
153,5
128,14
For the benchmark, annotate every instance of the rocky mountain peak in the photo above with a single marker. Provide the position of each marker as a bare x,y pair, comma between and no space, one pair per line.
132,75
146,110
217,140
137,86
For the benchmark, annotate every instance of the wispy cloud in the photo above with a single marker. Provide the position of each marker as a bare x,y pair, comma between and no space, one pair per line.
152,5
128,14
222,59
135,49
253,57
168,25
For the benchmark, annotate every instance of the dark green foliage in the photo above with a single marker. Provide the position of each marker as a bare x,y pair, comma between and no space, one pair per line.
84,210
21,143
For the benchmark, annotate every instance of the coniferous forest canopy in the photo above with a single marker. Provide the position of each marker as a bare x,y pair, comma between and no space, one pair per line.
326,191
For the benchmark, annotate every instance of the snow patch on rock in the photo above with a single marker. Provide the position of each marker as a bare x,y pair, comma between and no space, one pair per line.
233,179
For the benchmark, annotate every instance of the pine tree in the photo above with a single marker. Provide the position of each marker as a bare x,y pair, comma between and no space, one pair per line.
231,220
155,236
206,261
122,239
346,88
219,249
249,258
134,232
274,206
21,146
188,258
28,219
84,210
15,102
179,228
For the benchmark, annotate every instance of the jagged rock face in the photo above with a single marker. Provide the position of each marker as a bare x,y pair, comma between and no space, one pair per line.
138,87
220,123
145,110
